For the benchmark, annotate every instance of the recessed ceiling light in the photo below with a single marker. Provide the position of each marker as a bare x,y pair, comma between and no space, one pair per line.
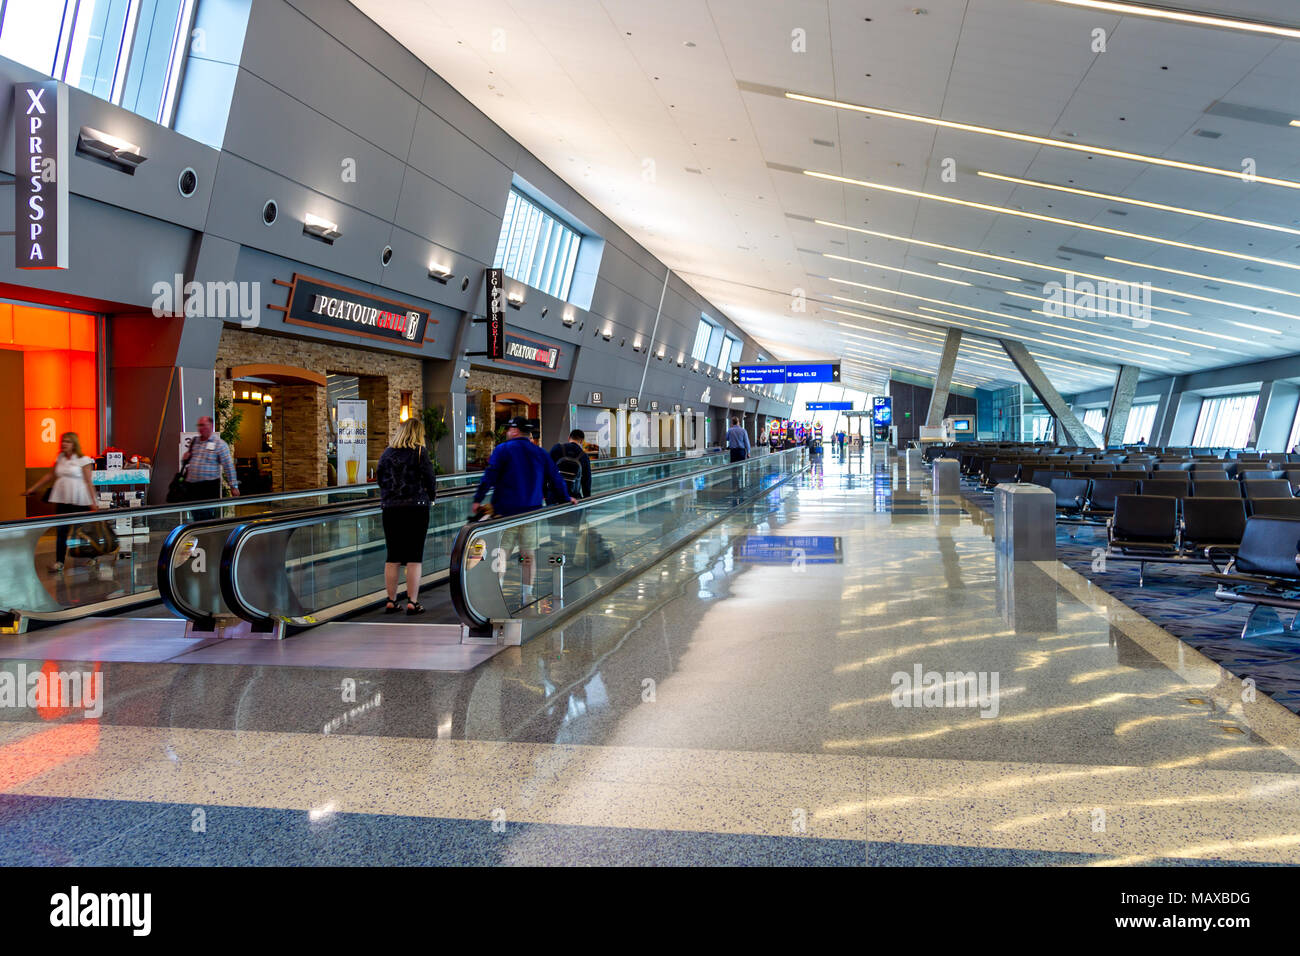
1040,140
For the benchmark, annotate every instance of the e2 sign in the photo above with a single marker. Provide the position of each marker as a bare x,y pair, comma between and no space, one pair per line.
41,175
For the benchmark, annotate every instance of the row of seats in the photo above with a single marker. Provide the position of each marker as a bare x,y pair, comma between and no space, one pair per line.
1175,527
1096,497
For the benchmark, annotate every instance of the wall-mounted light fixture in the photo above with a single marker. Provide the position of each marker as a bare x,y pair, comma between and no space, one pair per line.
320,228
608,333
515,300
405,405
663,350
257,396
244,396
695,366
636,344
439,272
569,317
111,149
266,398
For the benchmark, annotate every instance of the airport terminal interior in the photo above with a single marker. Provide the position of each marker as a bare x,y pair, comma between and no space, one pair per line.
887,417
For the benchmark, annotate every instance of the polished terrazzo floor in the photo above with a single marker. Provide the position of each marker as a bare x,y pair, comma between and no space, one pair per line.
737,703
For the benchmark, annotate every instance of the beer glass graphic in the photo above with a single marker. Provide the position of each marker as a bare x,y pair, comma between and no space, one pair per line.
352,464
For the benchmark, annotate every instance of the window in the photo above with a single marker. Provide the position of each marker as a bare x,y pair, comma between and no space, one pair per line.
536,248
128,52
700,350
1295,433
1140,420
735,353
714,351
1226,422
1095,418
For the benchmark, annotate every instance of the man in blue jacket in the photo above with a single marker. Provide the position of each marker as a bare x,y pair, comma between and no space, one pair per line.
522,477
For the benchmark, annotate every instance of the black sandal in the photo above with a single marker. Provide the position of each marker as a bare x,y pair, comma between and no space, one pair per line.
390,607
413,609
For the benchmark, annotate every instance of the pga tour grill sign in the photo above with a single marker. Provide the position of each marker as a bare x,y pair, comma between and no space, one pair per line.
40,175
324,305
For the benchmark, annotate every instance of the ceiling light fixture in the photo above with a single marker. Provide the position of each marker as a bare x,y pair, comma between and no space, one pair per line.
1203,276
878,265
1180,16
1056,269
1181,210
1040,140
992,275
1055,220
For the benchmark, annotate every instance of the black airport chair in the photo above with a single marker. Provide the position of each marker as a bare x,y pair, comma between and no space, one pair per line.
1262,474
1164,489
1221,488
1275,507
1001,473
1044,477
1213,524
1101,497
1143,528
1071,493
1177,465
1266,488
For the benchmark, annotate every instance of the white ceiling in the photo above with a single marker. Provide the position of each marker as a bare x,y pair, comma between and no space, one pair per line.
596,88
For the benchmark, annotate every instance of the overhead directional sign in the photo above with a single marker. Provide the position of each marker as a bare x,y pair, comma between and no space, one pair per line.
828,406
828,372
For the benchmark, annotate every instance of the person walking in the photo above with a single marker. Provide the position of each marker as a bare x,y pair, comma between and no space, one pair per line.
737,441
521,477
406,490
574,464
73,490
205,462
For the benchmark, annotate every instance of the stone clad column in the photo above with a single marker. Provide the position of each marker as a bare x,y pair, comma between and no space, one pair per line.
1121,404
943,379
1070,427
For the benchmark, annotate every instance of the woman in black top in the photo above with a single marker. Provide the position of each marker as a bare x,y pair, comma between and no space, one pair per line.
406,489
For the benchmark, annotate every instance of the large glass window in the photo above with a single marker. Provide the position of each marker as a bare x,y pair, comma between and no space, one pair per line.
1226,421
1095,418
126,51
536,248
1140,420
714,351
730,349
1294,440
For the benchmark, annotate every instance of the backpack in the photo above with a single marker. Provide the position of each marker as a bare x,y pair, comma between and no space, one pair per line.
570,468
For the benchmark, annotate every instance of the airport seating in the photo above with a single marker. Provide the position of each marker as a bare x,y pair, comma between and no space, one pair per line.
1266,488
1212,524
1265,573
1164,488
1274,507
1102,494
1071,494
1220,488
1001,472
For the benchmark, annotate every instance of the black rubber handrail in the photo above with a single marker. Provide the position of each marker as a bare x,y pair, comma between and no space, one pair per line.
230,593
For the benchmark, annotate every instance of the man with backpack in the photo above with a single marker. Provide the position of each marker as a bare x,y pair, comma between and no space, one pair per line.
573,464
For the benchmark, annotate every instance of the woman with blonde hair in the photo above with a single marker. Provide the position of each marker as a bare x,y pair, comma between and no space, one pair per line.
406,490
73,490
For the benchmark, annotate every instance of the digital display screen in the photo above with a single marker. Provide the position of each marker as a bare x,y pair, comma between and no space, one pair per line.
883,412
961,426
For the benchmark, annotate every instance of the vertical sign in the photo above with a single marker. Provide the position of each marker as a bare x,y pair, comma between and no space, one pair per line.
496,317
41,175
353,419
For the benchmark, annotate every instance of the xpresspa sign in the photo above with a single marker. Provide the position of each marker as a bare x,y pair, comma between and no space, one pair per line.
40,175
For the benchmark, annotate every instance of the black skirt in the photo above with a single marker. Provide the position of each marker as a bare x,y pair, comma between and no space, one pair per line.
405,527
